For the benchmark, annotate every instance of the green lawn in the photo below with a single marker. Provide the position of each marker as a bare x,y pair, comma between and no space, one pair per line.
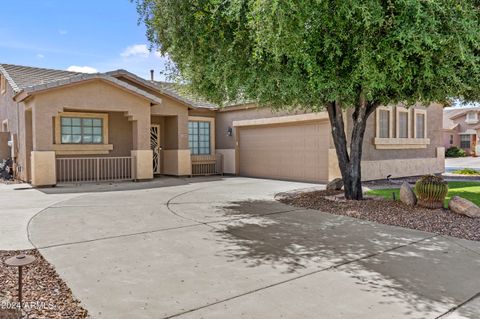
468,190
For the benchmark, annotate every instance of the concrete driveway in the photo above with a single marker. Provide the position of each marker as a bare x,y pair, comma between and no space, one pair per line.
225,249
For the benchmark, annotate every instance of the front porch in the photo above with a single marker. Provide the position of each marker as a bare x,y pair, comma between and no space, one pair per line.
112,153
96,131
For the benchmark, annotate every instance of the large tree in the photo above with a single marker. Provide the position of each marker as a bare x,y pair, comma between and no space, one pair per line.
322,54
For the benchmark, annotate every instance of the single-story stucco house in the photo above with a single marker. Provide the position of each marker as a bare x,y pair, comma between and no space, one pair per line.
64,126
461,128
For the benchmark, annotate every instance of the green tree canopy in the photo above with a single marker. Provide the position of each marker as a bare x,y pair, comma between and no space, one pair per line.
322,54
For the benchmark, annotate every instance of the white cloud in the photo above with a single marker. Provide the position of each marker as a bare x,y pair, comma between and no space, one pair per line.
136,50
137,59
40,56
82,69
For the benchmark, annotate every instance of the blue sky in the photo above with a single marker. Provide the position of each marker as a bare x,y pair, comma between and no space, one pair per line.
95,35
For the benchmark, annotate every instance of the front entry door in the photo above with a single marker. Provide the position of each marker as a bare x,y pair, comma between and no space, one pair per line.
474,145
155,146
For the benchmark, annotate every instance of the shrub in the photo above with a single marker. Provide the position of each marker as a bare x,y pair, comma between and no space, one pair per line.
431,191
455,152
467,171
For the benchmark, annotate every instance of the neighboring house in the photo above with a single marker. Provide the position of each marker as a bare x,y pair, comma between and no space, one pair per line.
461,129
65,126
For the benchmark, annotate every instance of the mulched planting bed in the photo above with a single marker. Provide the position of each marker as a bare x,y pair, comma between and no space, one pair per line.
45,295
389,212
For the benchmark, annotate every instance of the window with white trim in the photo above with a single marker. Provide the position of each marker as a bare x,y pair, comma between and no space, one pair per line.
199,137
419,125
465,141
383,123
409,125
79,130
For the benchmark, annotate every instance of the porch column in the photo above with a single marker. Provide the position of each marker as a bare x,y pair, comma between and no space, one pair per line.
142,154
184,156
42,158
176,154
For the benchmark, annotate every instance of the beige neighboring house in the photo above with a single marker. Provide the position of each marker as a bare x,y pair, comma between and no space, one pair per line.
61,126
461,128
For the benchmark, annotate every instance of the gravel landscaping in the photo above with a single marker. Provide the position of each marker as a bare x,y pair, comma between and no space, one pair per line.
45,295
389,212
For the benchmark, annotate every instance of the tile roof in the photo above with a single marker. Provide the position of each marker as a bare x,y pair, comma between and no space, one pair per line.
453,112
171,89
32,79
22,77
175,90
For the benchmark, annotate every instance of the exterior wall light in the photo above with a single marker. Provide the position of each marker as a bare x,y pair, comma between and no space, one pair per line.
229,131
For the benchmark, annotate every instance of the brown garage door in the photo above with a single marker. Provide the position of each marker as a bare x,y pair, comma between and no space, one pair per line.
292,152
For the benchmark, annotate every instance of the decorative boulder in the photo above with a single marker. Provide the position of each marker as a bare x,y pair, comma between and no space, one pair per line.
335,185
463,206
407,196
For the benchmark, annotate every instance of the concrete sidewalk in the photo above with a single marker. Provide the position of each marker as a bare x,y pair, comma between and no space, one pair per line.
226,249
462,162
18,204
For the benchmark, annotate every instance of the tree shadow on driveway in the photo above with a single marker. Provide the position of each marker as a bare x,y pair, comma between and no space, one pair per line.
430,274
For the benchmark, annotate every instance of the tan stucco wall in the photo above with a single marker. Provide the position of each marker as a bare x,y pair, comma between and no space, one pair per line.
224,120
119,135
143,169
8,110
434,133
129,122
202,112
176,123
446,138
14,113
400,162
4,148
229,165
27,145
93,96
380,169
43,168
176,118
177,162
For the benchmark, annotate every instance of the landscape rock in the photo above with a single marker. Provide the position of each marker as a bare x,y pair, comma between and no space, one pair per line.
407,196
335,185
463,206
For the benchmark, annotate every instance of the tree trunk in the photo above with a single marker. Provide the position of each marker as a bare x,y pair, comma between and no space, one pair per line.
350,162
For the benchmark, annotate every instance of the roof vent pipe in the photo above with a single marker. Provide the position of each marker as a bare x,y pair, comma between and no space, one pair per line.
152,72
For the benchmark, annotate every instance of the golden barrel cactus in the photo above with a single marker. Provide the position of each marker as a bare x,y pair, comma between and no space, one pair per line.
431,191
